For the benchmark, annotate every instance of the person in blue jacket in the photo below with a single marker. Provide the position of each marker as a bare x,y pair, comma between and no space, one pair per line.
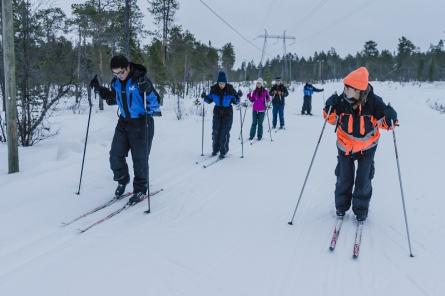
223,95
308,90
128,88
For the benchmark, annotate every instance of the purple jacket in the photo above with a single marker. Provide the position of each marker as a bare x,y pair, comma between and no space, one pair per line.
259,97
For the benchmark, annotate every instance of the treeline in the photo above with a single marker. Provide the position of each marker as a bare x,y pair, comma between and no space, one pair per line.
57,55
408,63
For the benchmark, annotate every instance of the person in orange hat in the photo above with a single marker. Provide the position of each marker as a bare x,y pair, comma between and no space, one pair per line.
358,114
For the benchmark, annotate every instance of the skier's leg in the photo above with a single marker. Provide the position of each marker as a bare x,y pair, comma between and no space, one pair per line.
363,187
345,181
118,152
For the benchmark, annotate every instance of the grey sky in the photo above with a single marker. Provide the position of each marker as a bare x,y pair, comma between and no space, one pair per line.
316,24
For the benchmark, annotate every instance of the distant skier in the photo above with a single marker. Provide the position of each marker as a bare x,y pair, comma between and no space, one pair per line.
127,91
260,98
223,95
308,90
278,92
358,114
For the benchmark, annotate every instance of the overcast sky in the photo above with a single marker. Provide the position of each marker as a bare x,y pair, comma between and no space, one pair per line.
317,24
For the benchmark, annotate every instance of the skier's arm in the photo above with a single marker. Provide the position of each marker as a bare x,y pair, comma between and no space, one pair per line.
285,92
152,96
318,89
108,95
385,114
331,105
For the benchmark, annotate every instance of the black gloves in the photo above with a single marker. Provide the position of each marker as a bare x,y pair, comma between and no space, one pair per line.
239,94
157,113
390,116
145,85
203,95
94,84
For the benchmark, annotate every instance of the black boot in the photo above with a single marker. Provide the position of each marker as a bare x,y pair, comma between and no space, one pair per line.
120,189
136,197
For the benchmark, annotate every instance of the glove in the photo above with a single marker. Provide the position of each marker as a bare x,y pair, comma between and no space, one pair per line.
239,93
390,116
144,85
94,84
322,89
157,113
203,95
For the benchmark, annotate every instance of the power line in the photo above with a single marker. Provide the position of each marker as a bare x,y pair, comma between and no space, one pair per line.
230,26
338,21
310,13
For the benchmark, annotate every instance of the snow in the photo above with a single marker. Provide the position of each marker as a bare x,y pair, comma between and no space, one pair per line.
223,230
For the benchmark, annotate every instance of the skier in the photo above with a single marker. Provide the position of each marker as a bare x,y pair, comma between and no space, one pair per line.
358,114
259,97
223,95
278,92
128,88
308,90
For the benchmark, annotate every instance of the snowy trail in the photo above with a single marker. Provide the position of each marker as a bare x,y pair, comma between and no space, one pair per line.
223,230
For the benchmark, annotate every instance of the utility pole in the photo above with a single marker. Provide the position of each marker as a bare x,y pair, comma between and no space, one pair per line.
320,63
284,38
10,91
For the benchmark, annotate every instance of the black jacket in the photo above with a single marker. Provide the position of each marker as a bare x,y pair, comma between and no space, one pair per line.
276,99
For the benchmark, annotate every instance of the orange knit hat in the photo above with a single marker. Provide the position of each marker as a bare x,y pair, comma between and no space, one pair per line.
357,79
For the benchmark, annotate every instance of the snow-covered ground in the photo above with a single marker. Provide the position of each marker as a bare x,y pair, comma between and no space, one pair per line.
223,230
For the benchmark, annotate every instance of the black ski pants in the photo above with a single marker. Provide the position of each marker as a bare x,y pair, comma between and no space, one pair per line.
132,135
354,185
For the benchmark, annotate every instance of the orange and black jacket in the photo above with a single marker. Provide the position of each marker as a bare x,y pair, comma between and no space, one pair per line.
357,128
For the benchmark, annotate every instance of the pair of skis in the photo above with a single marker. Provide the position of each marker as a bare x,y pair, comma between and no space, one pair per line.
358,236
110,215
211,160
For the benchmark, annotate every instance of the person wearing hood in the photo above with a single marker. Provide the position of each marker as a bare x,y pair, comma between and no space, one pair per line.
308,90
358,114
128,88
259,97
223,95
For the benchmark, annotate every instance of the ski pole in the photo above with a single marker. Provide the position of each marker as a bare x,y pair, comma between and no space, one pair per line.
146,153
310,166
401,191
241,132
202,132
268,122
86,137
242,122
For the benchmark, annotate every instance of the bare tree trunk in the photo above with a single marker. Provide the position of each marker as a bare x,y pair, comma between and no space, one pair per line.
9,65
78,88
99,41
127,28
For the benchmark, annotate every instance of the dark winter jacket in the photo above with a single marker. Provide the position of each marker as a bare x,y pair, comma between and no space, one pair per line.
278,99
223,98
309,89
357,124
127,96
